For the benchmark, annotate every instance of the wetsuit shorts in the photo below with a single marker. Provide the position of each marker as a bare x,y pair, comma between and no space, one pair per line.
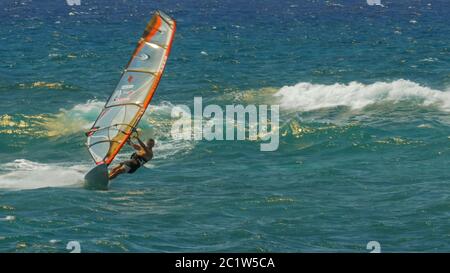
131,165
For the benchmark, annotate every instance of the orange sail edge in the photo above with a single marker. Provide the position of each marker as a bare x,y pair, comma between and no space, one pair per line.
117,142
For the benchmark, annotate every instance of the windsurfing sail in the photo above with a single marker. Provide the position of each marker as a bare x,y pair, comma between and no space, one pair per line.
126,105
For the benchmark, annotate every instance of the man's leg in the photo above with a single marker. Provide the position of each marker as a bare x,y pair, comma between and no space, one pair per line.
114,169
119,169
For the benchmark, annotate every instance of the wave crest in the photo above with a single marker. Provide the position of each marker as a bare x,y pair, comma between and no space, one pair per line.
308,96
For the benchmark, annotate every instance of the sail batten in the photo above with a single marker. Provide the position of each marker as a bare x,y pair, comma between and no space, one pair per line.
141,71
137,85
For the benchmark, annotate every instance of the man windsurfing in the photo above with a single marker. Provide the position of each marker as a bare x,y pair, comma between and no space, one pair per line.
142,155
128,103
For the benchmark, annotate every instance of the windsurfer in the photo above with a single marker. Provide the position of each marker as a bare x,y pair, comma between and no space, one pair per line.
143,154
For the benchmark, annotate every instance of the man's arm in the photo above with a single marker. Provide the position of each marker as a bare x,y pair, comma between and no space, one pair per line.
143,145
134,145
137,147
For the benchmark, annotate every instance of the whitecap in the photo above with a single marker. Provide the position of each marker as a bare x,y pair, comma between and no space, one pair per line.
307,96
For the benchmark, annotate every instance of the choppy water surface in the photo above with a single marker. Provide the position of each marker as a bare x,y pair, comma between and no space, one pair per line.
364,127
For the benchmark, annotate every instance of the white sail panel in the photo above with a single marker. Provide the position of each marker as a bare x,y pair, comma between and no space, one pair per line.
162,37
149,58
110,129
132,88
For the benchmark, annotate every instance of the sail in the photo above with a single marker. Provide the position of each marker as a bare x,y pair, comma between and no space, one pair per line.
136,87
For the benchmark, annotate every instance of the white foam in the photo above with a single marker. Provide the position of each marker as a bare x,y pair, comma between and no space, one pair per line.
8,218
25,174
82,116
164,108
89,106
306,96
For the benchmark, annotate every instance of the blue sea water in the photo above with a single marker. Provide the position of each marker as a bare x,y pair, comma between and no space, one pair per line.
364,127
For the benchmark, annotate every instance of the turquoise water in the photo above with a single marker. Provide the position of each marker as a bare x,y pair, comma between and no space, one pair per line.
364,127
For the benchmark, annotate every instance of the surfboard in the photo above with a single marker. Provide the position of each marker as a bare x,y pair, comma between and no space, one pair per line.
138,83
97,178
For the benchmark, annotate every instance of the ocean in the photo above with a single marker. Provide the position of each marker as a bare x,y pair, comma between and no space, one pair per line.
364,130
